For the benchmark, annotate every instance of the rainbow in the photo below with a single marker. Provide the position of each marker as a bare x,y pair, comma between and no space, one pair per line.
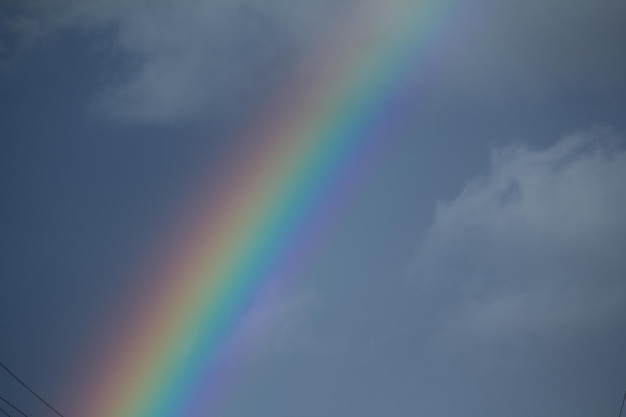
320,134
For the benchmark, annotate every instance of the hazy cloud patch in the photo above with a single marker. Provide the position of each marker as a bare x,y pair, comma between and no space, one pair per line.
495,49
283,320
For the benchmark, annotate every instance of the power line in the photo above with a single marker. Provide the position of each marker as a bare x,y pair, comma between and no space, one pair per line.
4,412
622,407
30,390
12,406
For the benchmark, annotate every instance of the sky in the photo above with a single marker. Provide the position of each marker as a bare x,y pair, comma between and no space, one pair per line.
473,266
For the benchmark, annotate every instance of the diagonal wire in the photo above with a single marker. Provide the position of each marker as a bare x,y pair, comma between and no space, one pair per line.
622,407
30,390
4,400
4,412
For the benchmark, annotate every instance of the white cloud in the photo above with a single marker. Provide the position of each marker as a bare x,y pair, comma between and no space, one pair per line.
535,249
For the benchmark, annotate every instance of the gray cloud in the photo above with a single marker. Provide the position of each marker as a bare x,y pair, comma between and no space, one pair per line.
533,251
198,54
180,57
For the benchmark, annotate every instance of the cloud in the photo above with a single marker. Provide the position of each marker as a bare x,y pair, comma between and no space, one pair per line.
532,252
188,57
175,59
281,321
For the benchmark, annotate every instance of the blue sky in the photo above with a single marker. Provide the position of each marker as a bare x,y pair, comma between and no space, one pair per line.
479,269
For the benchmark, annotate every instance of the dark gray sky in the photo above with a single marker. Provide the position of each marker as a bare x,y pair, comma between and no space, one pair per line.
478,271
